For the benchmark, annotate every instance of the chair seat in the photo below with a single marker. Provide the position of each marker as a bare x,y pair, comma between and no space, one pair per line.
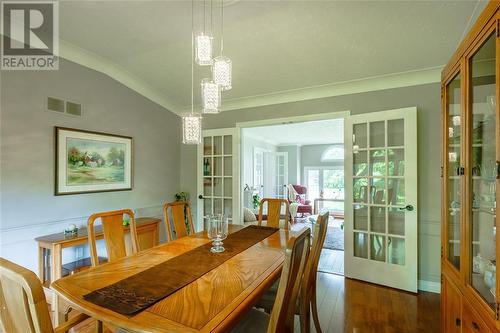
255,322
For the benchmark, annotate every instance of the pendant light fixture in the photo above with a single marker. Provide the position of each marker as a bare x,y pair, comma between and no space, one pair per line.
210,96
203,44
210,91
191,123
222,66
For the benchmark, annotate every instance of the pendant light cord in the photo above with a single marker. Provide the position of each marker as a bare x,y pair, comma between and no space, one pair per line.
222,28
192,57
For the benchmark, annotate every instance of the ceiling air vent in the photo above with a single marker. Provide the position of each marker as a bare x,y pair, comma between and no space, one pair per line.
55,104
73,109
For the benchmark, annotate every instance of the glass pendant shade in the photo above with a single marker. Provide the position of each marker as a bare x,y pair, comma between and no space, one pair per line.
210,96
203,49
191,129
221,69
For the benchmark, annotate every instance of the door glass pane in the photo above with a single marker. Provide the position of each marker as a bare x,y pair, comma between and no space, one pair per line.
361,245
377,247
228,144
360,136
228,187
228,166
377,162
207,145
217,166
217,149
396,162
395,133
218,206
396,250
377,134
453,180
313,184
360,217
396,221
377,191
207,206
207,186
377,219
217,187
396,191
360,165
228,208
483,171
360,190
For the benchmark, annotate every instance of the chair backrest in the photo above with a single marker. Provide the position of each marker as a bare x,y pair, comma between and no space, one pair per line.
274,212
114,234
300,189
283,312
318,239
179,209
23,308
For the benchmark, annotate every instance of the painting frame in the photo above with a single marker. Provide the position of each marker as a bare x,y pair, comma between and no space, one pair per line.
118,173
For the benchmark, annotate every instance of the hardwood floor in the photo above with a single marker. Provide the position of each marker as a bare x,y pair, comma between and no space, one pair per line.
350,306
331,261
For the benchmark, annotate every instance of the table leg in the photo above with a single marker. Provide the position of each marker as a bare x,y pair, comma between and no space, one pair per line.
55,274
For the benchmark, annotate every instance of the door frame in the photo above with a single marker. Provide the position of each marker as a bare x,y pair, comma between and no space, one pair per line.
237,196
359,270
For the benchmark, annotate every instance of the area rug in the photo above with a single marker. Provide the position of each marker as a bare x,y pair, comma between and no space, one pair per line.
334,239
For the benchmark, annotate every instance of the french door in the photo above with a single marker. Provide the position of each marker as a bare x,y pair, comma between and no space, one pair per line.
218,175
281,175
381,198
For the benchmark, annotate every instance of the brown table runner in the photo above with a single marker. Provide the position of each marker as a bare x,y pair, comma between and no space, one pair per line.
138,292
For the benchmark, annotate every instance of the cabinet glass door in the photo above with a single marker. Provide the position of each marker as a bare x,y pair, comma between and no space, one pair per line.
482,171
453,178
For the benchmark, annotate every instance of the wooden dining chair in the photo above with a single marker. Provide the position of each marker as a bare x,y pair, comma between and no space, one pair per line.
307,300
114,234
282,316
23,307
274,212
179,210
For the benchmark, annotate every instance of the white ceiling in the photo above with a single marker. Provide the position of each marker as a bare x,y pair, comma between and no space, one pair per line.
276,46
307,133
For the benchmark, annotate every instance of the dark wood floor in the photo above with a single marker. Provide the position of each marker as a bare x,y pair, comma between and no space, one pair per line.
356,307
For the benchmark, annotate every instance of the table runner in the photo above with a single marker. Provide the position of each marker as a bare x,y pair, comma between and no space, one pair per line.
138,292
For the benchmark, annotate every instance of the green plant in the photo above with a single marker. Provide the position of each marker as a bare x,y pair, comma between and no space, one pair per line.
181,196
255,201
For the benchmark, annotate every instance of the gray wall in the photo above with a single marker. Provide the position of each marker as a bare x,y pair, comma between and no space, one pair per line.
28,205
427,100
311,157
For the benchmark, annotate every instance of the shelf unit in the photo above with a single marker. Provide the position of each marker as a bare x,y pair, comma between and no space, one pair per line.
470,92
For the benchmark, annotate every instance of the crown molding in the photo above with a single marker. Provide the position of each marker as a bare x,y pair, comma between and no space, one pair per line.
101,64
375,83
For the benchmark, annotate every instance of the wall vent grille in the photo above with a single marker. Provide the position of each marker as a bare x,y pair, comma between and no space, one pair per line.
62,106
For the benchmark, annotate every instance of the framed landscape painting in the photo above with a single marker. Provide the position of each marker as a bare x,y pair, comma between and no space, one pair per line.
89,162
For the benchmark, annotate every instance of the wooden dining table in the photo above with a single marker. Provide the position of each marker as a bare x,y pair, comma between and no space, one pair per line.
215,302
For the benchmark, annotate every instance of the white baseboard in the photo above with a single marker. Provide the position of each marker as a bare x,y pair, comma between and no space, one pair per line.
430,286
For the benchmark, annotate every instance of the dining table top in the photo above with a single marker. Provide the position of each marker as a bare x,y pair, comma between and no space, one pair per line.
212,303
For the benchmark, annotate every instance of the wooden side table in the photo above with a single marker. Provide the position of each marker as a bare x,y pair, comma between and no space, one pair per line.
50,247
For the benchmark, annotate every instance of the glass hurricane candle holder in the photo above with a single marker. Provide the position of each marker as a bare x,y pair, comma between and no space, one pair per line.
217,231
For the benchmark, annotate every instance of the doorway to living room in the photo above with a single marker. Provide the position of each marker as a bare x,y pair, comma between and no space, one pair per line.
302,162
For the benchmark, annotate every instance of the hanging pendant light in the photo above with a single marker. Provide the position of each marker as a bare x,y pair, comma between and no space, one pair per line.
203,44
191,123
191,129
210,96
221,69
222,66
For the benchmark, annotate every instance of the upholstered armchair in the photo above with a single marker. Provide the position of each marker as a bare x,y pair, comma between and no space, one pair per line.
305,206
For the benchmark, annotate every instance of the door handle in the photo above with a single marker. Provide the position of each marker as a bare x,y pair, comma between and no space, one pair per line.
200,196
407,208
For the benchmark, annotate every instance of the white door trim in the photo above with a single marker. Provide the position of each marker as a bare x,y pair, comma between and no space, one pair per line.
294,119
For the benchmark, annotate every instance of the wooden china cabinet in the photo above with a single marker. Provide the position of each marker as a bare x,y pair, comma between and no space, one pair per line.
470,174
